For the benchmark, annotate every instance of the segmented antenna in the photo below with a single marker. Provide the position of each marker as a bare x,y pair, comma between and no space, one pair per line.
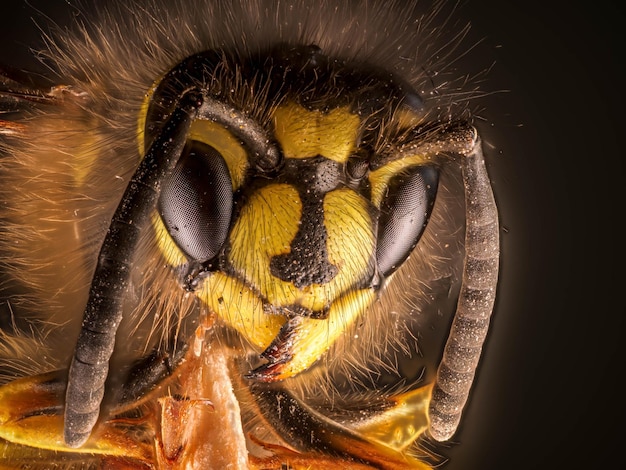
475,305
103,313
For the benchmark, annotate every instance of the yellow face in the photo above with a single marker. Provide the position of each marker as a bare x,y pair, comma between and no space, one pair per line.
291,233
302,243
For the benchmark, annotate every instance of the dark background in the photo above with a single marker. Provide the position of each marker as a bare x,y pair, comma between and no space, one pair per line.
549,393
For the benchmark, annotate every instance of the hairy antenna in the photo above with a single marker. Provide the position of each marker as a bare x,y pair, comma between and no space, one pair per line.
478,289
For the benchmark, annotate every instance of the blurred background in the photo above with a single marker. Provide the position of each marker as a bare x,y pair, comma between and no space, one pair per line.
548,394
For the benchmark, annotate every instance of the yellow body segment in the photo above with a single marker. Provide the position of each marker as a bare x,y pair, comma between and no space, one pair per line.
379,179
172,254
241,308
351,239
402,423
265,228
31,415
303,133
226,144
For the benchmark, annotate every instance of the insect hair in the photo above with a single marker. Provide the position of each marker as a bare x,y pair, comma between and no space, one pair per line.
61,183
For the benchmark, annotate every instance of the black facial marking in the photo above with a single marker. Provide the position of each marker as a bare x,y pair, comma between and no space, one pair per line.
307,262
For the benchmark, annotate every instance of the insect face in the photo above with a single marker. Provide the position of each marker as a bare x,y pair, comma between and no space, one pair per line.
273,194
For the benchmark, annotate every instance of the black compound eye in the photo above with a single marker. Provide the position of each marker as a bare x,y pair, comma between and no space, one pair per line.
196,202
404,213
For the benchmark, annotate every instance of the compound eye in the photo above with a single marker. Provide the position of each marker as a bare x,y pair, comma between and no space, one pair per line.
196,202
404,213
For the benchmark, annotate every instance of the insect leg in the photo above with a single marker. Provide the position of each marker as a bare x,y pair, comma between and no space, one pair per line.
90,364
471,322
149,372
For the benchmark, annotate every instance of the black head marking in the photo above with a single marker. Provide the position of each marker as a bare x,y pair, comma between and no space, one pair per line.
307,263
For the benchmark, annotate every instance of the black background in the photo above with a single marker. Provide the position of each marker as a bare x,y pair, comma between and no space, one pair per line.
549,393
